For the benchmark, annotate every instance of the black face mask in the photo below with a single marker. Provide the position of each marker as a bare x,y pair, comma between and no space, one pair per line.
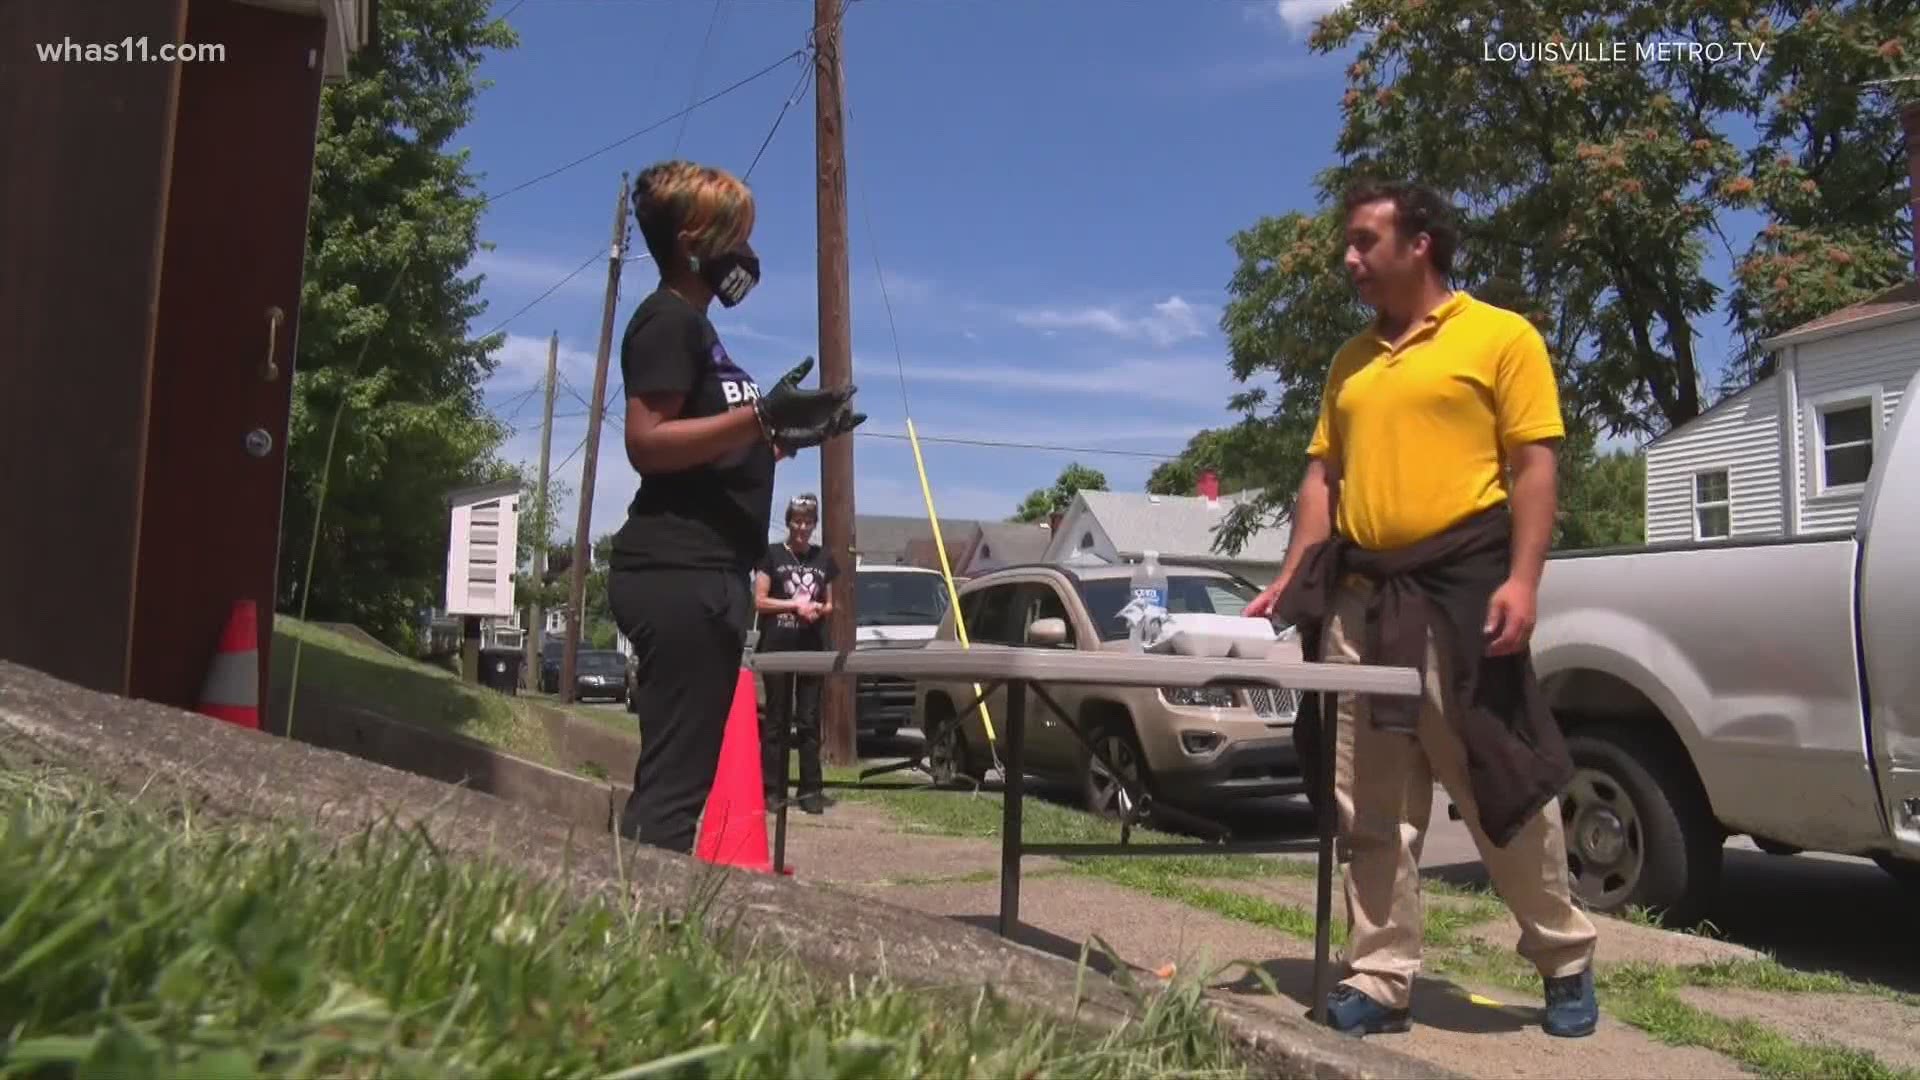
731,275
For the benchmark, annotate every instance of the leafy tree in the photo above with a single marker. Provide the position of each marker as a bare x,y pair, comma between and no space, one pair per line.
1602,497
1042,502
556,591
1232,454
384,347
1830,172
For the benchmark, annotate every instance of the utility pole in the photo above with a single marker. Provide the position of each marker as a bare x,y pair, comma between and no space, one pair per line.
582,536
536,617
838,745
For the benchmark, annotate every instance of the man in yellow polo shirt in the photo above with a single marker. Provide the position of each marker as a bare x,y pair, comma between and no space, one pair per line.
1419,537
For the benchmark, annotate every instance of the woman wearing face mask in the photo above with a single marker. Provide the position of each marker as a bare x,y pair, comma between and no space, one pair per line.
704,440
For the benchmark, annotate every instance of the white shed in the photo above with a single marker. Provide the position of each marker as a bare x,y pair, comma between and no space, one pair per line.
1818,419
482,549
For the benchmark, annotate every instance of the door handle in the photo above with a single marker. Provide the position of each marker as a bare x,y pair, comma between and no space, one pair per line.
270,370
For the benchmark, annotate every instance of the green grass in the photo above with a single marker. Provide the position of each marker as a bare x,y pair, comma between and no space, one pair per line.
137,942
1642,995
343,669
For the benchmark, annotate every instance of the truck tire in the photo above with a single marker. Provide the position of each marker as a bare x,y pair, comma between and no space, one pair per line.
1639,833
1904,871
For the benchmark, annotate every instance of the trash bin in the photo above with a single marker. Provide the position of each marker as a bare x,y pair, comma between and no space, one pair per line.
500,669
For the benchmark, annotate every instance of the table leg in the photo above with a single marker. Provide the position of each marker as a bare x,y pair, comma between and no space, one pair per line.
1014,765
780,812
1325,819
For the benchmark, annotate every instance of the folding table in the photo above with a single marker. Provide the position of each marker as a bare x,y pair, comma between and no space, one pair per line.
1023,669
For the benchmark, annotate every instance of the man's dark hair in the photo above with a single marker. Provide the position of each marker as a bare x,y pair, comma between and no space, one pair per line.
1416,209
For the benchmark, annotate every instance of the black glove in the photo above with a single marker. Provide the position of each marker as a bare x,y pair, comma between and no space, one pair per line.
787,407
789,441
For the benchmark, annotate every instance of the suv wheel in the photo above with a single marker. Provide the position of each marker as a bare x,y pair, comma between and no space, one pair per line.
1101,789
949,760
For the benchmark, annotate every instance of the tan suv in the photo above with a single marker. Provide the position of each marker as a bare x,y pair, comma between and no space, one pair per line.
1191,748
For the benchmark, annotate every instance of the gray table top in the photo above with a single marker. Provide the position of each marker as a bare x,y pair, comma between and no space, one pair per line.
995,663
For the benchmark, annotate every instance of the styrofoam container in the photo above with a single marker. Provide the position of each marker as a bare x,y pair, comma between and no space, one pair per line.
1217,636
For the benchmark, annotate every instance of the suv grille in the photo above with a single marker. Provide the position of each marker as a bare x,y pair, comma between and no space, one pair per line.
1271,703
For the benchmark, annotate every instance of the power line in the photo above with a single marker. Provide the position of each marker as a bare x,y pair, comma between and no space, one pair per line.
998,444
794,98
554,289
699,66
581,445
655,126
873,247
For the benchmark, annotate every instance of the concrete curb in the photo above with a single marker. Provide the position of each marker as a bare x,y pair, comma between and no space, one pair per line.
159,753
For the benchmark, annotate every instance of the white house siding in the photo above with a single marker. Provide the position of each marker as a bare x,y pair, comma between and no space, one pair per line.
1882,358
1741,435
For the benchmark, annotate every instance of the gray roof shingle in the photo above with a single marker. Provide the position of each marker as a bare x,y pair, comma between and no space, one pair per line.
1014,542
1180,526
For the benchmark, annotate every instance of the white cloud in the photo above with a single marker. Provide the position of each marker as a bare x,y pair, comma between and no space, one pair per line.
1190,380
535,274
1301,15
1168,322
521,361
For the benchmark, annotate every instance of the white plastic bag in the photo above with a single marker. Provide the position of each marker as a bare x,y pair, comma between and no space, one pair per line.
1149,620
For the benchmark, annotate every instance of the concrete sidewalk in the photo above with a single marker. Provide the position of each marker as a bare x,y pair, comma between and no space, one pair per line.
1470,1028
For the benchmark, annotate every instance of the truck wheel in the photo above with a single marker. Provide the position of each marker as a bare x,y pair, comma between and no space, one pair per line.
1100,788
1638,831
1904,871
949,760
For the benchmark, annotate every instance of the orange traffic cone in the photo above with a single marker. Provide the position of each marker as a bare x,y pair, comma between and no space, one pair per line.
733,830
232,689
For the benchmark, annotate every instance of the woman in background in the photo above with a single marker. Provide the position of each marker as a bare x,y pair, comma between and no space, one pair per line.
704,440
790,589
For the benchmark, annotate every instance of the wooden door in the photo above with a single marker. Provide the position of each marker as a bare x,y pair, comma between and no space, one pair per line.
223,364
83,180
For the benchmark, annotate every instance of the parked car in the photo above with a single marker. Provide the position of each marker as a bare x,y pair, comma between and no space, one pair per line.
1763,687
601,673
1191,748
895,607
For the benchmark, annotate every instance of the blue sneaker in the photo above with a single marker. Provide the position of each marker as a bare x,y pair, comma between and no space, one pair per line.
1351,1012
1572,1010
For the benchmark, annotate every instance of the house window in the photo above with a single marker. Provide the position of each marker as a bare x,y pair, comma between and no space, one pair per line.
1086,540
1712,505
1845,432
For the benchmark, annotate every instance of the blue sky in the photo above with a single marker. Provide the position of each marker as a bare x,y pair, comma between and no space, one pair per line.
1050,188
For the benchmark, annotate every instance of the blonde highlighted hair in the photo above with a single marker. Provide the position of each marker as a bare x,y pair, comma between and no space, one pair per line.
678,196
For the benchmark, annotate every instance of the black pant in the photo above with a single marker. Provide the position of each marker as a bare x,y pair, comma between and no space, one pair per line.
688,628
793,702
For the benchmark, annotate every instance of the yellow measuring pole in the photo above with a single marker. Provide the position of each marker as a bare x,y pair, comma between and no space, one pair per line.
946,569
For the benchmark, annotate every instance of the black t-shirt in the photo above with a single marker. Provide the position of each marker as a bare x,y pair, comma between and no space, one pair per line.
791,577
712,516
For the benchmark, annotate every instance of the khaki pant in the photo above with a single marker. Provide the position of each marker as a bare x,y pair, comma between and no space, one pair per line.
1384,791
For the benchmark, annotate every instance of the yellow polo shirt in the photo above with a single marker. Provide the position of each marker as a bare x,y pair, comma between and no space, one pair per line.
1421,432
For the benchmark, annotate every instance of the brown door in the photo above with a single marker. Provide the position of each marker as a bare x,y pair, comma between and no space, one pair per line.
235,238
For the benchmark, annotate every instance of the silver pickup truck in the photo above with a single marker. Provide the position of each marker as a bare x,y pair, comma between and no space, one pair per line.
1769,689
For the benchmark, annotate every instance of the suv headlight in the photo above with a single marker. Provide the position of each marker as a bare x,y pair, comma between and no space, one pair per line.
1200,697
